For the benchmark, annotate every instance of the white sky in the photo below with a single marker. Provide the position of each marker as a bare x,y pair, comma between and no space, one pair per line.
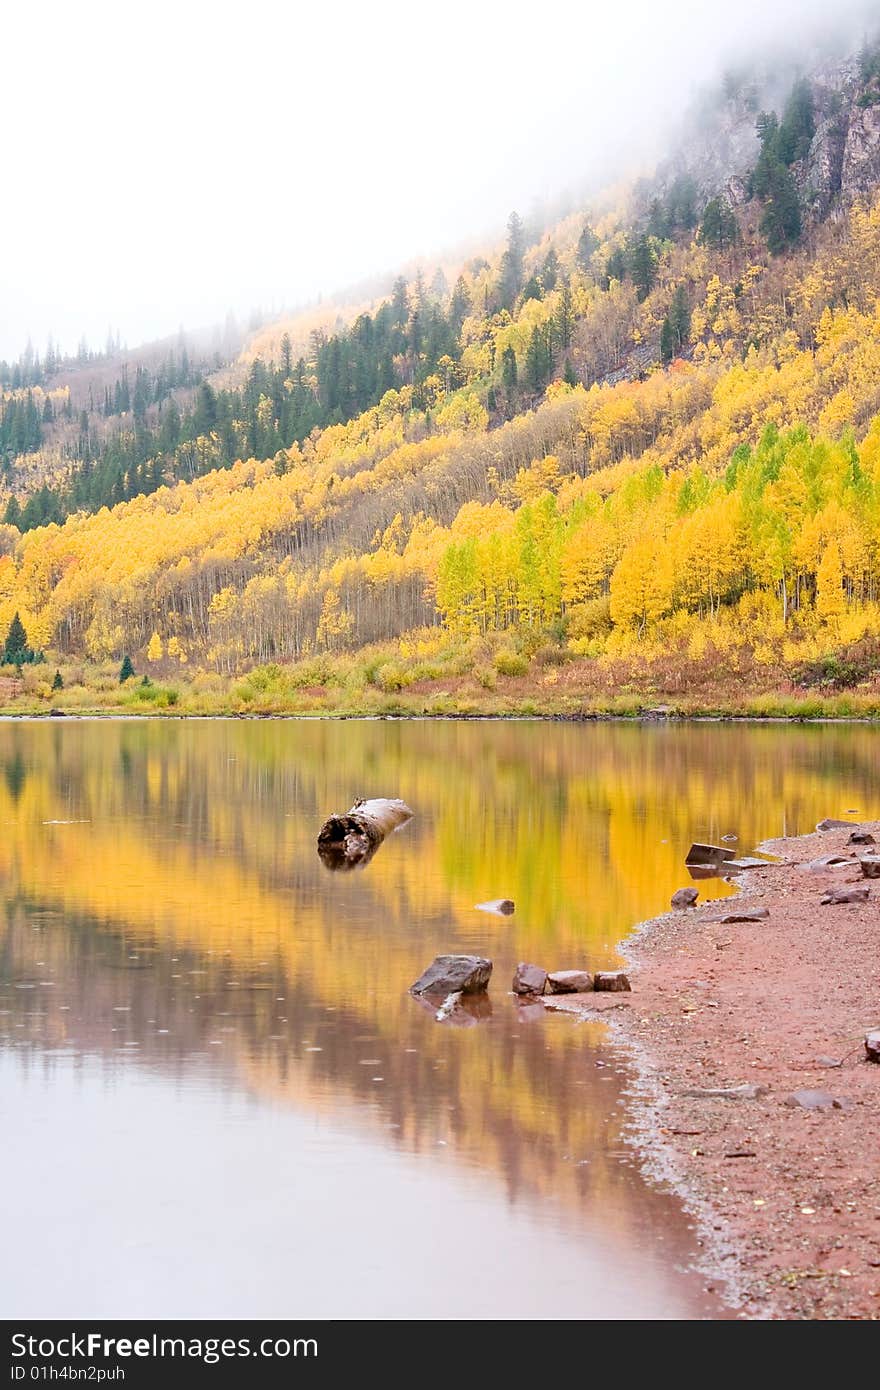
163,163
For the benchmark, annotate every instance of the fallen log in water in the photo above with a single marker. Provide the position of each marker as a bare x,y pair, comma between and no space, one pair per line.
349,841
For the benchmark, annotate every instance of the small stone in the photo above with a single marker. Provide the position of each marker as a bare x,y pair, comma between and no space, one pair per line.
749,1091
529,979
861,837
750,914
684,897
872,1045
569,981
844,895
809,1099
870,865
611,980
828,861
454,974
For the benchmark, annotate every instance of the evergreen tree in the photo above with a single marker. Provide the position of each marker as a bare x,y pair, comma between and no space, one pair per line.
588,242
642,266
550,271
58,681
537,367
719,227
512,261
126,671
12,515
508,371
569,376
781,221
286,356
15,649
616,265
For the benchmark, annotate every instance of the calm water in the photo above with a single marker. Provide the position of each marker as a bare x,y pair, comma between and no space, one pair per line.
216,1095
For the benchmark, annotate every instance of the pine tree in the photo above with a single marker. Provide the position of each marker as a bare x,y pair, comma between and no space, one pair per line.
781,220
719,227
508,371
512,261
126,671
588,242
641,266
15,650
12,515
58,681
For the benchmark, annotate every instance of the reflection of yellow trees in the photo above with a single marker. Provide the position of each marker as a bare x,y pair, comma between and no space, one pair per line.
198,850
208,834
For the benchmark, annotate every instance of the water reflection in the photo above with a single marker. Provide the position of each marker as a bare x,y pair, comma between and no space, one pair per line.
165,915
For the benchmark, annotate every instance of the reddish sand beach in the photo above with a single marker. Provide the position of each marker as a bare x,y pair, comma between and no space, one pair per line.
782,1177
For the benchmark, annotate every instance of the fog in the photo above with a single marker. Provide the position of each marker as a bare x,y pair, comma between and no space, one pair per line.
166,163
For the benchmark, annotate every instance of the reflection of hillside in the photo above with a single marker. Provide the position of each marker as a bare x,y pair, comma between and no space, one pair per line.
183,891
583,826
67,984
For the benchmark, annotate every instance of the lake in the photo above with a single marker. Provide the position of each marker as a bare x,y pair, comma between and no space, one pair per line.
217,1097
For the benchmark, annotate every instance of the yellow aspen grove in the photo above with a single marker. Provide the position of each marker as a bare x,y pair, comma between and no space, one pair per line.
830,598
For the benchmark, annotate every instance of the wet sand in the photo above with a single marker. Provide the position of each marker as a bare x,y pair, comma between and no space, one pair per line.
786,1197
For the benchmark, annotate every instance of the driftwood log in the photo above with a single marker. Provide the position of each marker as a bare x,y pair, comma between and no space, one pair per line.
349,841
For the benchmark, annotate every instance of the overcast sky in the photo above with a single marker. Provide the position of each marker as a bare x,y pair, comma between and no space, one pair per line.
163,163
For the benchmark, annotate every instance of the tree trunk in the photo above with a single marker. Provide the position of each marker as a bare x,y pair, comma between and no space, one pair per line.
349,841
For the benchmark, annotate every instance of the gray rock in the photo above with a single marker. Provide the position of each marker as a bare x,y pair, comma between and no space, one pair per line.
685,897
611,980
828,861
569,981
708,854
870,865
872,1045
809,1099
830,824
454,975
749,1091
529,979
861,837
834,896
751,914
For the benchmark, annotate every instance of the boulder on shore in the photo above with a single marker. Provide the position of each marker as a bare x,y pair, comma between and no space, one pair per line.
870,865
569,982
844,895
861,837
872,1045
529,979
685,897
611,980
831,824
454,975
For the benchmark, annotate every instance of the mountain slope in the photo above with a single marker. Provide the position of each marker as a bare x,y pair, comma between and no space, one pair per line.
644,438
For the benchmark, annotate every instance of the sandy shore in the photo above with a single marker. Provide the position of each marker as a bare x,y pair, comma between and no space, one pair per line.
787,1197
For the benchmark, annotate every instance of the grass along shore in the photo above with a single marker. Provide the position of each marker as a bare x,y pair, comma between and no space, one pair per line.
434,674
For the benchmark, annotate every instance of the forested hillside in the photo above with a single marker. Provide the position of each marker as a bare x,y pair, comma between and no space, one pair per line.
648,433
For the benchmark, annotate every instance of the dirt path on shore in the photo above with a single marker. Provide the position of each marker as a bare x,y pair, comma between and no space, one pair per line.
787,1197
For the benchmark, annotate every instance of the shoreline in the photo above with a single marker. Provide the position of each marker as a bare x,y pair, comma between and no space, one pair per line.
404,717
783,1192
